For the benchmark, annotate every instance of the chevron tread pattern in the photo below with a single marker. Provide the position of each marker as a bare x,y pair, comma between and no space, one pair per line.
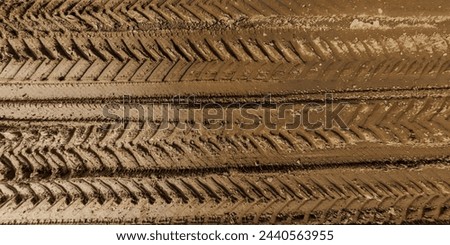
58,149
40,17
316,197
288,55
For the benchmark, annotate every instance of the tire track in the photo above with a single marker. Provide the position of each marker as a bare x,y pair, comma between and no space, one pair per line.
39,18
409,129
292,54
312,197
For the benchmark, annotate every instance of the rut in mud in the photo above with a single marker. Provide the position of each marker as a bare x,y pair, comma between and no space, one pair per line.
241,95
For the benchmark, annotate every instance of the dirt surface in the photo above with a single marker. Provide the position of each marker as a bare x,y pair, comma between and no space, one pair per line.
225,112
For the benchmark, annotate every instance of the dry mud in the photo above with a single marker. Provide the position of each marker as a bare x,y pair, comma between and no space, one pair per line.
69,69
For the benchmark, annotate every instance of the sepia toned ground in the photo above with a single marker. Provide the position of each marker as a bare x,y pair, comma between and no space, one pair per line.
225,112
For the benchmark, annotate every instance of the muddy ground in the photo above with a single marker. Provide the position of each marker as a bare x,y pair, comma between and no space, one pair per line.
224,112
